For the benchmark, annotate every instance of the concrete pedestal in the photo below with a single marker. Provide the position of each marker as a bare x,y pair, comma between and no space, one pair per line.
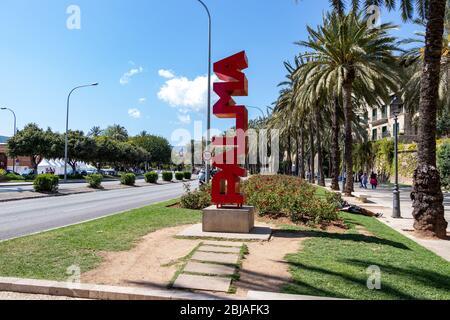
229,219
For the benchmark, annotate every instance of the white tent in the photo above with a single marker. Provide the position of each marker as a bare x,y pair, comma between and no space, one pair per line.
43,166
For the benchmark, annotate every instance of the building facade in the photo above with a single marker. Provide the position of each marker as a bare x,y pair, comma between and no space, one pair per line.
7,163
381,122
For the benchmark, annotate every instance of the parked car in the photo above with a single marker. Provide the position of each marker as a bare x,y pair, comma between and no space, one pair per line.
91,171
108,172
28,172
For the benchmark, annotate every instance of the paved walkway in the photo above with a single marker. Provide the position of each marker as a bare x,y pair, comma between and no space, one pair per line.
211,267
380,201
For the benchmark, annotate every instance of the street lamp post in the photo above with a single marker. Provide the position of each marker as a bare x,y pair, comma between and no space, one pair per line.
15,131
66,138
396,213
208,124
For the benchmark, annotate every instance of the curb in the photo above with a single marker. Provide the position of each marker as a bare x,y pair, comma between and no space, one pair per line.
96,292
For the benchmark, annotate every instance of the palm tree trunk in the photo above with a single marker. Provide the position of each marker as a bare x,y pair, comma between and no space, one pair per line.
335,158
427,194
312,152
321,179
302,153
348,141
289,154
297,155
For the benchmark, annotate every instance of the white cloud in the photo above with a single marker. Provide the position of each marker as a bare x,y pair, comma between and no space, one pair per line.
184,94
184,118
134,113
142,100
125,79
168,74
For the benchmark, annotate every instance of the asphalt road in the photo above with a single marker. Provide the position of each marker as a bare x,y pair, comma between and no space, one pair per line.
10,187
24,217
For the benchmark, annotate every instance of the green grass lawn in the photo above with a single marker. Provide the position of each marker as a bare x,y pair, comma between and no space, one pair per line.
48,255
335,265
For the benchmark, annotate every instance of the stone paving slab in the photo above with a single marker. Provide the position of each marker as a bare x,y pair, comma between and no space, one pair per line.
224,243
210,269
227,258
219,249
259,233
187,281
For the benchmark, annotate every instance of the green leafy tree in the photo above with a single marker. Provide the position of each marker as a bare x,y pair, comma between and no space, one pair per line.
80,148
158,148
444,164
32,141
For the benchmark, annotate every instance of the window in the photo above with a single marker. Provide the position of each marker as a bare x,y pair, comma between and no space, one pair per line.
398,128
374,114
374,134
383,112
384,132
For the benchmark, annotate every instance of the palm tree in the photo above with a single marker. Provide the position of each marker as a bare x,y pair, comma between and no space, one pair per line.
345,51
427,193
95,132
116,132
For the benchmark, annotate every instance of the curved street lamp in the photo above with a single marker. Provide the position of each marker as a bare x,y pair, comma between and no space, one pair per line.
15,131
208,125
66,138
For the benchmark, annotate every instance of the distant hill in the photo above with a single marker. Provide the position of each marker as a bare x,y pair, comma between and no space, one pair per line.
3,139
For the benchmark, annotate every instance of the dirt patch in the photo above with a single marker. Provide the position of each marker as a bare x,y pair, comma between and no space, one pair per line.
422,236
150,264
334,226
362,230
264,268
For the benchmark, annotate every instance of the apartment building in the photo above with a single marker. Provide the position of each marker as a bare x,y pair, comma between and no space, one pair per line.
381,121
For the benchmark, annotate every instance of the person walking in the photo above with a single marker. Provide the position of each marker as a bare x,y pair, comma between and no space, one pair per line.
364,180
373,181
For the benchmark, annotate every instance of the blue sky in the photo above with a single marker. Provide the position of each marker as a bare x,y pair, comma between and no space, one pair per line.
157,48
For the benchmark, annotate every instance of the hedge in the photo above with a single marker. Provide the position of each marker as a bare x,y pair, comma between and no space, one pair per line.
167,176
128,179
151,177
46,183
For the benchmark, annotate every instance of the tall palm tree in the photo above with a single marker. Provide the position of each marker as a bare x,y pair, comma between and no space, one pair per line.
427,193
116,132
95,132
345,51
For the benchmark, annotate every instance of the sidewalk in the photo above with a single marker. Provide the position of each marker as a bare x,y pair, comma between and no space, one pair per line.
380,201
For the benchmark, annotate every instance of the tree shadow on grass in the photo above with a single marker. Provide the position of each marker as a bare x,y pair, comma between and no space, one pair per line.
394,293
426,277
341,236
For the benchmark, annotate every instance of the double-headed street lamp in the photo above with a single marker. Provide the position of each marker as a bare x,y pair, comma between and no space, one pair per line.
208,124
396,109
15,131
67,127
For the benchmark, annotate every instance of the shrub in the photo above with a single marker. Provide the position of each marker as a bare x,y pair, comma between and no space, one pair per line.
179,176
198,199
30,176
46,183
151,177
128,179
14,177
187,175
94,180
2,175
290,197
443,160
167,176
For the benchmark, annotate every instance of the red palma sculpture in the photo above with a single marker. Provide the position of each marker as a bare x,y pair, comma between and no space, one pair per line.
226,183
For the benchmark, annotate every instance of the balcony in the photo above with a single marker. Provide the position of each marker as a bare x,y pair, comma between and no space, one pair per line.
379,122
